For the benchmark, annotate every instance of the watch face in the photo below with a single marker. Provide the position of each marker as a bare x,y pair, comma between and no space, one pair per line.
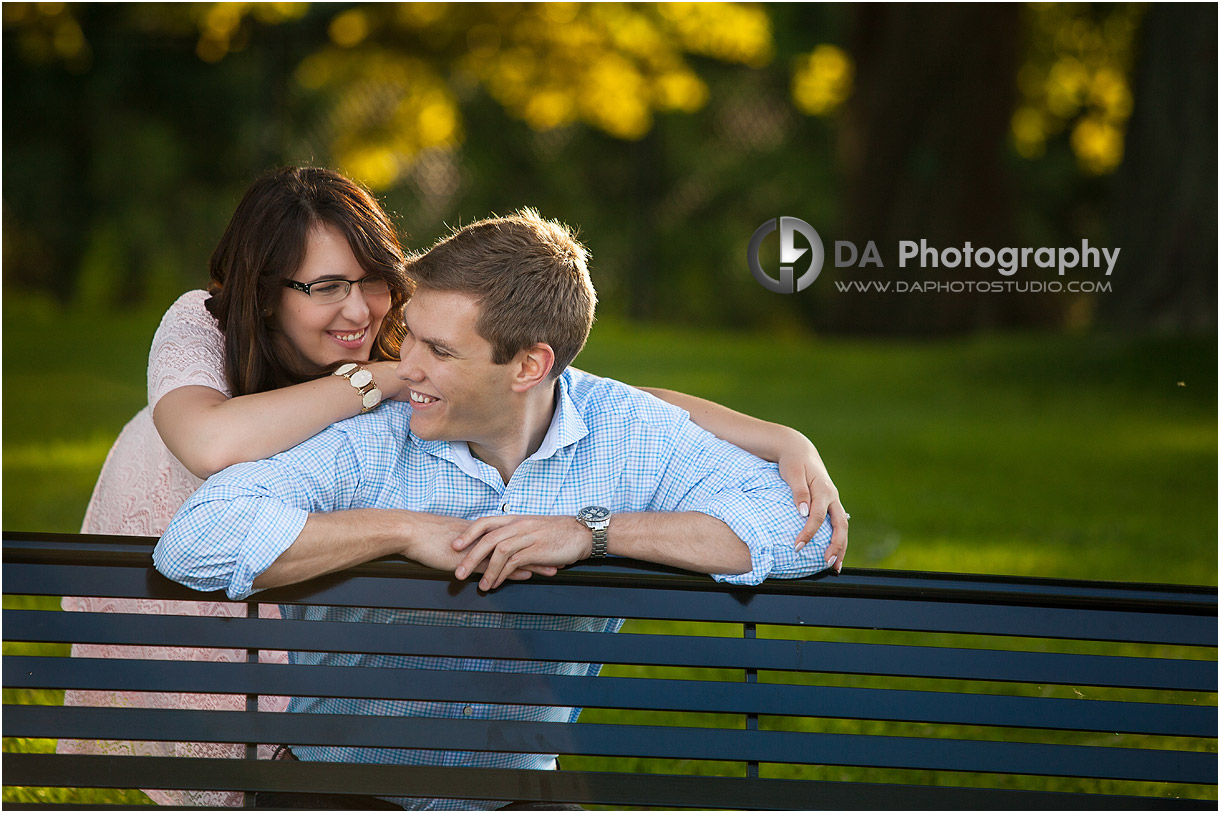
593,513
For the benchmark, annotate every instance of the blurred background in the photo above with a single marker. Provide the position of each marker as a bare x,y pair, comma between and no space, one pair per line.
1051,434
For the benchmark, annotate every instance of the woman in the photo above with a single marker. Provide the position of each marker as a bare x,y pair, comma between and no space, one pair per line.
308,276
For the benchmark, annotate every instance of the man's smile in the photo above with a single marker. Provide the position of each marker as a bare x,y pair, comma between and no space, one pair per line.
419,399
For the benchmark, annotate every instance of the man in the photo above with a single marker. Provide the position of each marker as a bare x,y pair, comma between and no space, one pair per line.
553,465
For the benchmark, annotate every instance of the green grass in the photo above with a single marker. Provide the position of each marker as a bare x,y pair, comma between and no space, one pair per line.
1074,457
1061,456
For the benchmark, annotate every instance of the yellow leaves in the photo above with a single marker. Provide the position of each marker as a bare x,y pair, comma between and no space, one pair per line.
375,166
613,97
681,90
218,27
276,13
550,108
389,109
1078,79
613,66
731,32
1098,144
822,80
1029,132
1065,87
222,28
437,122
1109,92
68,40
49,32
419,15
349,28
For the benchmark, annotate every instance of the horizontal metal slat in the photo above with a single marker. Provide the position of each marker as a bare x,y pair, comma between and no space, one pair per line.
654,742
859,582
630,790
763,654
728,605
606,692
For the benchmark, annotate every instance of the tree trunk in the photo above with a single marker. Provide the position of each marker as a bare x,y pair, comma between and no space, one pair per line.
922,148
1165,212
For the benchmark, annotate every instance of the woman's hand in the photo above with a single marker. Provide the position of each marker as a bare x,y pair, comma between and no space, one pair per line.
799,464
815,495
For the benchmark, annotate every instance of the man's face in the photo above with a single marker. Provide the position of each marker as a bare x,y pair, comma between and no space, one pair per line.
455,389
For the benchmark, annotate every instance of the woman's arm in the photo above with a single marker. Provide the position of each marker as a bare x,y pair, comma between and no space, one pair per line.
799,463
208,431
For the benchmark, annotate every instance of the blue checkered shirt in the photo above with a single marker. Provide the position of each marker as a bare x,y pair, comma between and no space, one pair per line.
608,444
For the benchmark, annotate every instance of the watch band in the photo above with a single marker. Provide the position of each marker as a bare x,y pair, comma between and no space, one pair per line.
362,381
599,544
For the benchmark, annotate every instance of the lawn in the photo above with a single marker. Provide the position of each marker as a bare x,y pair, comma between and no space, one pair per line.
1084,456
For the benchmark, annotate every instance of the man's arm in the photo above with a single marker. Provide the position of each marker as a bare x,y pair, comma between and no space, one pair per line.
711,508
688,540
337,541
286,519
244,520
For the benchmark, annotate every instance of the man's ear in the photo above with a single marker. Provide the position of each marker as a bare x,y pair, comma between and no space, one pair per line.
533,365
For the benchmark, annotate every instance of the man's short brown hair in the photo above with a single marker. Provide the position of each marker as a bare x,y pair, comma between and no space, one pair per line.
529,276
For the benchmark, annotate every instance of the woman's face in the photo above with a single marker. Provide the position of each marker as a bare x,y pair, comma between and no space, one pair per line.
328,334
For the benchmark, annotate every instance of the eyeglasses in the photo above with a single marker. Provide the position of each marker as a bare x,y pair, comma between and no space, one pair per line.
329,291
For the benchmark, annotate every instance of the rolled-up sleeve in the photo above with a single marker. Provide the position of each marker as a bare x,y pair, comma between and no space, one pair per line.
240,521
703,473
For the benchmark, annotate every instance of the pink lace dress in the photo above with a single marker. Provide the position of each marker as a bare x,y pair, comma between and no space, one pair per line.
140,488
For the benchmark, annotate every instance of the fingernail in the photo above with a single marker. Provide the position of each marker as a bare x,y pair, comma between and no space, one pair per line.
804,509
831,564
800,545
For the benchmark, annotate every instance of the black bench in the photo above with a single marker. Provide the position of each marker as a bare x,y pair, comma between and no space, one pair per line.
875,689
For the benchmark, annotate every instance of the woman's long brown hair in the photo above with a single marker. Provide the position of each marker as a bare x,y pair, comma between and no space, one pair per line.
264,245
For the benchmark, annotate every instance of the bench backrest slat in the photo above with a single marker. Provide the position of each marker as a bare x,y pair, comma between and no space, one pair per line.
652,742
650,694
628,790
692,651
839,609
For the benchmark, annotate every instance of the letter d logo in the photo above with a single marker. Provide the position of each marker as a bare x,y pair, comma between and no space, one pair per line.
788,255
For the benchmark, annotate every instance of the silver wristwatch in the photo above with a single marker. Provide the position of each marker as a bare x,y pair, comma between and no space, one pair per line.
597,519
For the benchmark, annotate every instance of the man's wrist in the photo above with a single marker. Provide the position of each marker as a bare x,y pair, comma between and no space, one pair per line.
597,520
392,531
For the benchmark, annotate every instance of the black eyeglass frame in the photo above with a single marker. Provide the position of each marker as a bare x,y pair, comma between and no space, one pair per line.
305,287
